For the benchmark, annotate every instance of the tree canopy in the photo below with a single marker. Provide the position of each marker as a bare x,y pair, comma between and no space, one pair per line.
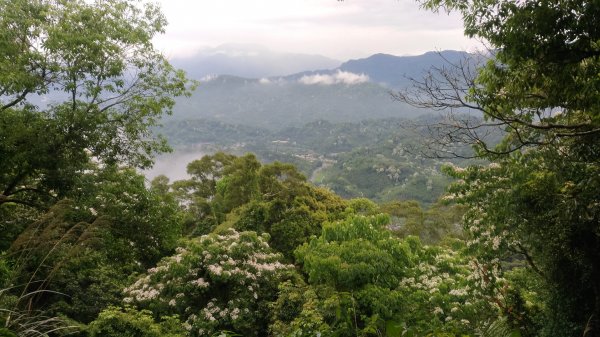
78,80
243,247
538,200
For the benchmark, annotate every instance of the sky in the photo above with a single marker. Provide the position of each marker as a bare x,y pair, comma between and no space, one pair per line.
337,29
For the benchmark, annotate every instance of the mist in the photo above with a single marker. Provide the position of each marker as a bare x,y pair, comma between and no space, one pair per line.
173,165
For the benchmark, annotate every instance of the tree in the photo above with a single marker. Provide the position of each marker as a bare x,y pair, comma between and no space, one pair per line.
362,281
75,259
215,282
238,192
431,225
541,209
78,80
288,208
539,198
540,81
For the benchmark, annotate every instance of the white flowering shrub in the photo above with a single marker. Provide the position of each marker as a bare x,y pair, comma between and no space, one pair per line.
535,210
214,283
492,224
443,291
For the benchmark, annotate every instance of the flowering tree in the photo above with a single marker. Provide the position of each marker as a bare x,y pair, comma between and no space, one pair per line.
540,212
215,282
541,88
446,291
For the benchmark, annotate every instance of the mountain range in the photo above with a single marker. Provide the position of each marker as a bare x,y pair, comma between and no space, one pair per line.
256,62
338,124
353,91
249,61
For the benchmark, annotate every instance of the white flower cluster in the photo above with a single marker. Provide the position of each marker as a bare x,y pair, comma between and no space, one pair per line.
200,282
446,279
194,278
487,277
212,312
141,291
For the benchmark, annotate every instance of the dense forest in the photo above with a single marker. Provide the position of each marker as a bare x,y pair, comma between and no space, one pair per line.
375,242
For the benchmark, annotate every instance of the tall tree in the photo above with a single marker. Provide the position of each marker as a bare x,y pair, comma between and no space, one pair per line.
540,197
78,80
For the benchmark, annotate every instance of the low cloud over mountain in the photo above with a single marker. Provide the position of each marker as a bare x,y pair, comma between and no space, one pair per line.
351,92
338,77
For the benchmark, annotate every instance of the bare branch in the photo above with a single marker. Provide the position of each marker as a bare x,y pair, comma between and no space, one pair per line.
453,89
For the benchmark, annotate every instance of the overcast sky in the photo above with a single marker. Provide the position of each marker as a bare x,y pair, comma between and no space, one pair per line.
340,30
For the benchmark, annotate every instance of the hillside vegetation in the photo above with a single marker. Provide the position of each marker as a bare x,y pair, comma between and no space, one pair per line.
333,246
378,159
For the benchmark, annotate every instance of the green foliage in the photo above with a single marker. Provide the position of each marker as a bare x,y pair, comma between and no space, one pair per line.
110,85
363,281
219,183
144,224
88,282
534,211
5,272
380,167
85,249
360,248
239,192
293,219
363,206
79,80
556,239
215,282
4,332
128,322
539,200
57,254
370,159
15,218
238,186
431,225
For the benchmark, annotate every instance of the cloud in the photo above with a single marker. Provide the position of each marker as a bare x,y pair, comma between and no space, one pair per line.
337,29
340,77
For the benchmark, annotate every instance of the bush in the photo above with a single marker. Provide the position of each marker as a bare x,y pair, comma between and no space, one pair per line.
129,322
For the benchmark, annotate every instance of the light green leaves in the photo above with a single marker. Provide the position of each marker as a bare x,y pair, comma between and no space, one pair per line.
105,86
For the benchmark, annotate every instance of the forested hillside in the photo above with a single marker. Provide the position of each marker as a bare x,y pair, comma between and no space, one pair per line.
255,247
279,103
343,128
380,159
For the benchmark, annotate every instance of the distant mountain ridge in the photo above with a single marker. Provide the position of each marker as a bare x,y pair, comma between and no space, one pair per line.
395,71
276,103
250,61
354,91
391,71
255,62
